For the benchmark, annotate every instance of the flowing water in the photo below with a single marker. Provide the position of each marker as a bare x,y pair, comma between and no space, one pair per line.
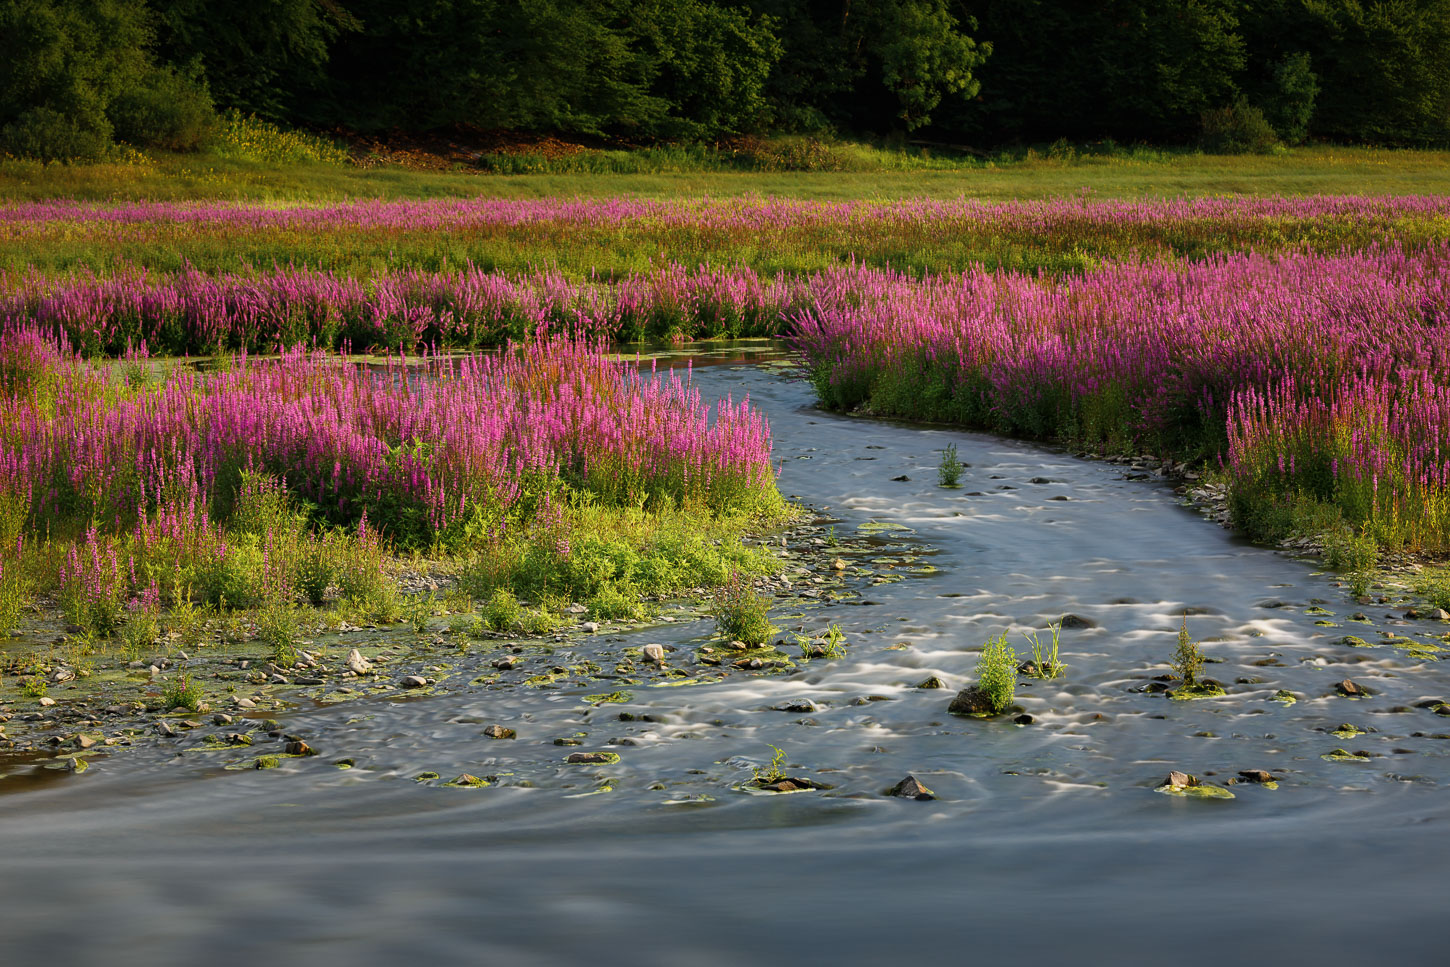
1047,839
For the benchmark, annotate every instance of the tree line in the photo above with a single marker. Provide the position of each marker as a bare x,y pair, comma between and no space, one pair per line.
76,76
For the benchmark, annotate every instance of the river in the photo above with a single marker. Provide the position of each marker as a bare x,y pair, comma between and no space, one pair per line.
1047,840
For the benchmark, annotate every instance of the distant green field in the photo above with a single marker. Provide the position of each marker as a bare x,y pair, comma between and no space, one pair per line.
876,175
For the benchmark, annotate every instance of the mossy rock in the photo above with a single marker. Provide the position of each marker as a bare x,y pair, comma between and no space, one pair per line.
610,698
1196,690
1285,696
426,777
268,762
1195,792
882,527
972,702
1348,731
1354,641
466,781
1340,755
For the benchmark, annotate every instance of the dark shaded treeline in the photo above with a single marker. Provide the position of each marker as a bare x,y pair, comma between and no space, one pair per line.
75,74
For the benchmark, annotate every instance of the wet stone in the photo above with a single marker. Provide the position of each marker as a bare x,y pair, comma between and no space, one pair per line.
499,732
1077,621
1180,780
911,788
1256,775
412,681
932,682
299,747
804,707
592,758
1351,689
971,701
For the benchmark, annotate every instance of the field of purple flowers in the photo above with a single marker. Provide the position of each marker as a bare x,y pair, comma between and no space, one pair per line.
1293,345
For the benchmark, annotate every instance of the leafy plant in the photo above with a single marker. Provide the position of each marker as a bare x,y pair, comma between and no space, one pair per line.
139,632
34,687
949,472
1044,657
418,611
501,611
1187,658
765,775
280,626
741,614
997,673
182,692
831,645
12,596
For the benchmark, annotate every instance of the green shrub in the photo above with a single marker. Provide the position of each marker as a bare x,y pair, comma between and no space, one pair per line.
997,673
501,611
741,614
49,135
316,567
1434,584
279,625
1238,128
182,692
13,587
139,632
1346,552
234,579
418,611
249,138
167,110
949,472
1187,659
1289,106
611,602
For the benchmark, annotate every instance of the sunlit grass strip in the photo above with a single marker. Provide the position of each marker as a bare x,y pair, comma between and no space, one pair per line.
608,236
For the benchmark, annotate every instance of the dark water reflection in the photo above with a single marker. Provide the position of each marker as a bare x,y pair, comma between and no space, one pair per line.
1047,840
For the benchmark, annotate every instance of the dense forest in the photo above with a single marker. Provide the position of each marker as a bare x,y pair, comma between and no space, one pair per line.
78,76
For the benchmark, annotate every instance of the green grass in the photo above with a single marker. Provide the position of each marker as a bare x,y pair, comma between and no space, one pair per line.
1148,173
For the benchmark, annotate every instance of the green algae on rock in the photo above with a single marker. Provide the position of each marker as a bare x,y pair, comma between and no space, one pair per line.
1194,690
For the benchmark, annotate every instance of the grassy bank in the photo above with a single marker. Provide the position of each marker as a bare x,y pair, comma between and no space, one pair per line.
1315,382
603,239
547,483
1007,176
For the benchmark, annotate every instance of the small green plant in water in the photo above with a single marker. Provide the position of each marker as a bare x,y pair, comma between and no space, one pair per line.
34,687
502,611
182,692
741,614
949,472
997,673
1187,658
280,626
418,611
1044,657
765,775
